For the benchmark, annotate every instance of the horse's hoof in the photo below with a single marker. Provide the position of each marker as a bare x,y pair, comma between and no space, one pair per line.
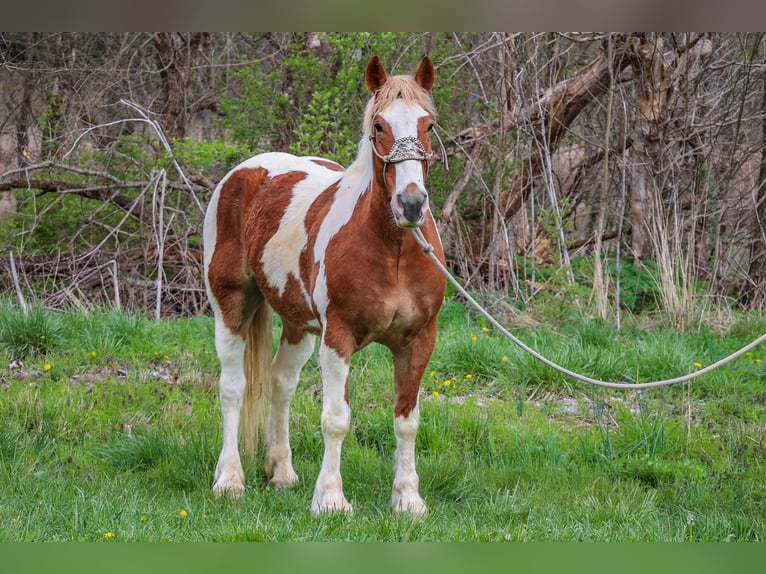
413,505
232,488
284,479
331,504
280,473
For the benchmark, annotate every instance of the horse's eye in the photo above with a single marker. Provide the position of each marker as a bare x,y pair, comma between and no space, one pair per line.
378,127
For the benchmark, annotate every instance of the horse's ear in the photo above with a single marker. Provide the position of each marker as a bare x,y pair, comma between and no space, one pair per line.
425,74
376,74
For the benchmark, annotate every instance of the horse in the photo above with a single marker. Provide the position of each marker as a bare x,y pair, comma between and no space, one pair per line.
330,250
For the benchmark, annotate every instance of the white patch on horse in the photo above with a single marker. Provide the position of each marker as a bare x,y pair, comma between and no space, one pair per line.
281,254
404,495
351,188
403,117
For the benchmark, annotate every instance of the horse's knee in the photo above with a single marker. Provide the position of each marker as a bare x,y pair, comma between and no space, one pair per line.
336,421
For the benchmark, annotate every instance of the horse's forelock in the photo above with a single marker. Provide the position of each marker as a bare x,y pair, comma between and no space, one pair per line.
396,87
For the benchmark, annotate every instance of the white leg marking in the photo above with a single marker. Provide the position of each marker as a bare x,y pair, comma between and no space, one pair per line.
285,370
336,416
229,476
405,496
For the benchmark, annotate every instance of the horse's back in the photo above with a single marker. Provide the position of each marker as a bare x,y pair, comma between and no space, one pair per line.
266,184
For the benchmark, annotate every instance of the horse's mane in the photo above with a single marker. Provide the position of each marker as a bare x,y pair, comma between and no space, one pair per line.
396,87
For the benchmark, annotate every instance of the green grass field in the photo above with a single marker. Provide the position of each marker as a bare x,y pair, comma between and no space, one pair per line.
111,430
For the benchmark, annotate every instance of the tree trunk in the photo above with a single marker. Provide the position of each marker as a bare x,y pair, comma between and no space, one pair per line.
651,84
174,51
757,270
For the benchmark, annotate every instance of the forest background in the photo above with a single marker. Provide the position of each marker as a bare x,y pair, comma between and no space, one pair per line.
611,173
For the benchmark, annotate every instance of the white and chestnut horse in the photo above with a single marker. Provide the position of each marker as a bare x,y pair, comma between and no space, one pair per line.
329,250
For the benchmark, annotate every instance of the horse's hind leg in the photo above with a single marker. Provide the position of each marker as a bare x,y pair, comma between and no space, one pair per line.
229,476
295,348
234,310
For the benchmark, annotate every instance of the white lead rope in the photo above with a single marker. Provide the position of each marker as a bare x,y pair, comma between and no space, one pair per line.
428,249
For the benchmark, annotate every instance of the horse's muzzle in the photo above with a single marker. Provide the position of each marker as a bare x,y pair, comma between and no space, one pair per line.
410,206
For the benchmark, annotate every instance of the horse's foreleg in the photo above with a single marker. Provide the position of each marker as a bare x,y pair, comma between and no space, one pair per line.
409,366
405,496
294,350
336,416
229,476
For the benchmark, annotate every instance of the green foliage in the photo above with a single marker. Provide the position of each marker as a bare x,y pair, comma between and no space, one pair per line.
206,155
32,333
639,290
311,105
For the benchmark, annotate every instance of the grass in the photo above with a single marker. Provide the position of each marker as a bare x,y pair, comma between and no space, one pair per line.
111,431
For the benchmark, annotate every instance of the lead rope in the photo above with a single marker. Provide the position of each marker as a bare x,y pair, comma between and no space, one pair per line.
429,250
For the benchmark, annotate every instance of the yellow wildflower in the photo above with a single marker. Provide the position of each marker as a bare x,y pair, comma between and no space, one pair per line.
504,359
184,513
469,376
47,367
436,394
447,382
698,365
757,360
485,329
473,337
109,535
93,354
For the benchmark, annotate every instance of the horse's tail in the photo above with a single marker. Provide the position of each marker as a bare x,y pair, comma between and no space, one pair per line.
258,352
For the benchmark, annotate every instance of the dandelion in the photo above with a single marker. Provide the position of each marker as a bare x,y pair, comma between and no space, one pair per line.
698,365
109,535
436,394
144,518
166,357
93,354
473,337
505,358
47,367
469,376
432,374
42,337
447,382
184,513
757,360
485,329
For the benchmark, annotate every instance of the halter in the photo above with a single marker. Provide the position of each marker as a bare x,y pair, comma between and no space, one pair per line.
408,148
404,149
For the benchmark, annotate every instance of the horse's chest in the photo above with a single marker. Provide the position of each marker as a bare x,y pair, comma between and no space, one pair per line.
390,316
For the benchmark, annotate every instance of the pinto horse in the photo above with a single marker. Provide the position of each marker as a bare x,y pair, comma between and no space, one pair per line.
332,253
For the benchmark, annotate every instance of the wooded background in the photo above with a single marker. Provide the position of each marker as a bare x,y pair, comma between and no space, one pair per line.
615,172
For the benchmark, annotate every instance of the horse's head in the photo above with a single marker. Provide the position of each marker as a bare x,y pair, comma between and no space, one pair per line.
398,123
